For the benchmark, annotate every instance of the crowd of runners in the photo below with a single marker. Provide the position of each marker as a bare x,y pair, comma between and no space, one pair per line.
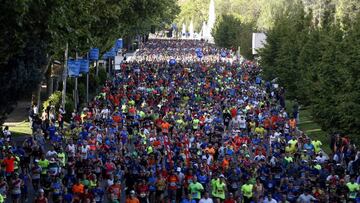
196,129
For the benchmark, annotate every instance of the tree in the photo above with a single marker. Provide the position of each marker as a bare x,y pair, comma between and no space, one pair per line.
230,32
38,30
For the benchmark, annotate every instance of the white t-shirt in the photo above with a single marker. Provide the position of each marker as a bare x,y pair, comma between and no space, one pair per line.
35,110
321,159
105,113
208,200
305,198
51,153
266,200
242,123
71,148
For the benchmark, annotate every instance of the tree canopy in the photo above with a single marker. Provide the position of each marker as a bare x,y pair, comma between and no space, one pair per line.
36,31
230,32
316,63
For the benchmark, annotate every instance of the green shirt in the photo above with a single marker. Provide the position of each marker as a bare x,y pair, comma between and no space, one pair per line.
247,190
213,187
61,156
289,159
196,123
195,189
220,189
317,145
353,188
85,182
44,165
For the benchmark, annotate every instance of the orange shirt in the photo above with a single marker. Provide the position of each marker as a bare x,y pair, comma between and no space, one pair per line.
133,200
156,143
78,188
165,127
225,164
210,151
267,123
117,118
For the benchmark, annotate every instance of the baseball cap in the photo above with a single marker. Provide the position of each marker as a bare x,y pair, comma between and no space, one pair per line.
41,191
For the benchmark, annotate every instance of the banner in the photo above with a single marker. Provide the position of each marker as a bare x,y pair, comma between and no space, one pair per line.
84,65
118,60
110,54
119,44
94,54
258,42
73,68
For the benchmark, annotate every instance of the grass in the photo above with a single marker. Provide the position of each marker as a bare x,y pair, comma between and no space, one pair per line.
310,127
21,128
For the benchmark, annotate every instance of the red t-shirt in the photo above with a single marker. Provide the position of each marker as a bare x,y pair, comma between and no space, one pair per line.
229,201
9,164
233,112
173,179
116,189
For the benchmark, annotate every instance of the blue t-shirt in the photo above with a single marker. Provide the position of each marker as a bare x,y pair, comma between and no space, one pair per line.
84,135
188,201
68,197
152,181
98,194
52,130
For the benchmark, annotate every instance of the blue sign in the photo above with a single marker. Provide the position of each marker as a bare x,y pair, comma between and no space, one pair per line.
73,68
200,55
223,54
197,50
84,66
119,44
172,62
94,54
110,54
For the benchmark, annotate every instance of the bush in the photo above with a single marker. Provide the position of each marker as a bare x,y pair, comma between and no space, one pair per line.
69,106
54,99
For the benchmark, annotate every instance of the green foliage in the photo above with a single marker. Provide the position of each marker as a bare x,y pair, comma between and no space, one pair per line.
319,67
69,106
230,32
53,100
37,31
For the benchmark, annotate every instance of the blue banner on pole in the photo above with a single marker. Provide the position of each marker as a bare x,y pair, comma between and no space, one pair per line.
119,44
84,66
73,68
94,54
112,53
